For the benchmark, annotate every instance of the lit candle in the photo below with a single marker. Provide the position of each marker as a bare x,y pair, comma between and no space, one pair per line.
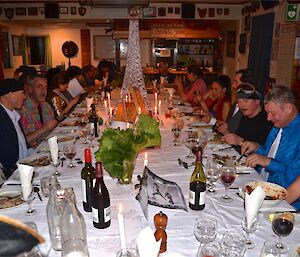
155,98
105,110
129,97
146,159
126,98
159,107
110,112
140,110
155,111
121,227
108,99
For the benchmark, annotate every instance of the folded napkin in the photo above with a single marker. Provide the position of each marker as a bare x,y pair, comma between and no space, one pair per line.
26,173
53,146
89,101
147,245
252,204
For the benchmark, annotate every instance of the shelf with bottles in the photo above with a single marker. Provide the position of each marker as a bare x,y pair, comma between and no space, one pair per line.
195,49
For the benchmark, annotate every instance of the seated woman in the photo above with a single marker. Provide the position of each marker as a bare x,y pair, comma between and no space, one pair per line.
60,98
196,83
220,109
293,196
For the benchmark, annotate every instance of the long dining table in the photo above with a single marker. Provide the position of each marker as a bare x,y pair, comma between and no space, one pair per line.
163,161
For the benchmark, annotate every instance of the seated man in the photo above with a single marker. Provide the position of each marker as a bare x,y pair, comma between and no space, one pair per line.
278,160
253,124
13,143
37,116
294,193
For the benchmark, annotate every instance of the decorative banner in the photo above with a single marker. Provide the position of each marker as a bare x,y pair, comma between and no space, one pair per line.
291,12
202,12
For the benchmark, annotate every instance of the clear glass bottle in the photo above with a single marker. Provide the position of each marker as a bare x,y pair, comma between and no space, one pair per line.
72,226
197,185
54,211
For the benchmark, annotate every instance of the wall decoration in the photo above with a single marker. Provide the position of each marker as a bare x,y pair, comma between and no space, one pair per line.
226,11
149,12
291,12
9,13
42,10
82,10
219,11
202,12
161,11
17,49
63,10
73,10
20,11
177,10
170,9
231,43
211,12
32,11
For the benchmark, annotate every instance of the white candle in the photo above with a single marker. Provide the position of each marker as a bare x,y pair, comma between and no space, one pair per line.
129,98
155,111
140,110
159,107
155,98
121,227
110,112
146,159
108,99
126,98
105,110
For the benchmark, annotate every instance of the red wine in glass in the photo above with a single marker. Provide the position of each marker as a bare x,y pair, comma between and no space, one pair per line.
227,179
70,156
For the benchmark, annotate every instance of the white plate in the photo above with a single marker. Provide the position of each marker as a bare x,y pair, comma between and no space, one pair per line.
293,251
10,193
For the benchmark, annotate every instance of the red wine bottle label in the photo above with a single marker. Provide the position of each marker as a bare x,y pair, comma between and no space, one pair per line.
192,197
83,190
95,215
107,214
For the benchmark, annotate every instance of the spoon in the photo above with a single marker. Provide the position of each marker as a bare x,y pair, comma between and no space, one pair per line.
37,190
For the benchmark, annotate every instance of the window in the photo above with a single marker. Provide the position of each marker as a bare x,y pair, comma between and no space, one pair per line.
36,50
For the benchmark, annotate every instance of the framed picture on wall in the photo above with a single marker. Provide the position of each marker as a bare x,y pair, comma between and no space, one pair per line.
63,10
149,12
32,11
73,10
231,43
20,11
17,49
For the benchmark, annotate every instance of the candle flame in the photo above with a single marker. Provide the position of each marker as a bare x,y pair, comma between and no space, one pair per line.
146,156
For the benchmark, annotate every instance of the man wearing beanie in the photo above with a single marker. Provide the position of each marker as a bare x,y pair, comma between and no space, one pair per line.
13,143
253,124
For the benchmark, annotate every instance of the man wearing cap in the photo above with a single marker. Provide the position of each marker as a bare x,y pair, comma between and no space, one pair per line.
13,143
253,124
37,116
278,160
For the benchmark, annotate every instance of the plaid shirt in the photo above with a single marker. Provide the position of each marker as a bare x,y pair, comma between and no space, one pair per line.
30,117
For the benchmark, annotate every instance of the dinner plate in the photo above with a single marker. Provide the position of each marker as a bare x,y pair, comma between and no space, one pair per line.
37,161
10,199
199,124
293,251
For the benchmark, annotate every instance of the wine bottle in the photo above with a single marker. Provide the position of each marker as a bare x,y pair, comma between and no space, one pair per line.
87,181
197,185
100,201
93,120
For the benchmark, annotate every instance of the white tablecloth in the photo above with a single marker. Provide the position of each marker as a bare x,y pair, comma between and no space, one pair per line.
163,162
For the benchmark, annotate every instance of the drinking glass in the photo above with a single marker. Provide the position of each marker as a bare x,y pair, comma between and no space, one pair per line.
190,143
70,153
228,174
233,244
75,247
212,173
55,165
84,133
211,249
270,249
28,197
248,230
128,252
91,135
205,229
282,226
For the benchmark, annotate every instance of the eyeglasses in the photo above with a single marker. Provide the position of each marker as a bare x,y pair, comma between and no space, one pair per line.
246,88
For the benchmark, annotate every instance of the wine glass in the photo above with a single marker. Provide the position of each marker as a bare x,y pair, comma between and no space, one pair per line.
249,229
205,229
84,133
91,135
28,197
270,249
70,153
190,143
176,132
212,173
228,174
233,243
282,226
211,249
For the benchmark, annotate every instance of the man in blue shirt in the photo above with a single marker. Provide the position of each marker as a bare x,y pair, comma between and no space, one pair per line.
279,159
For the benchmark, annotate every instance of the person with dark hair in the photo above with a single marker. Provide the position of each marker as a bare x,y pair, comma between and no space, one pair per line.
13,143
163,74
87,79
74,71
61,99
254,125
278,160
234,116
106,72
196,83
37,116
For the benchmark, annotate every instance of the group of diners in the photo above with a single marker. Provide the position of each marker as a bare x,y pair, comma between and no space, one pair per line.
33,105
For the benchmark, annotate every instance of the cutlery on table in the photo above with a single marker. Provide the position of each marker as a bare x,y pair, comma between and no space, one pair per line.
37,190
226,148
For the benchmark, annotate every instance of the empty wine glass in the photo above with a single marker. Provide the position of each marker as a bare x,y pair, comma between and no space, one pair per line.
28,197
249,229
211,249
91,135
70,153
212,173
228,174
55,164
282,226
270,249
233,244
84,133
205,229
